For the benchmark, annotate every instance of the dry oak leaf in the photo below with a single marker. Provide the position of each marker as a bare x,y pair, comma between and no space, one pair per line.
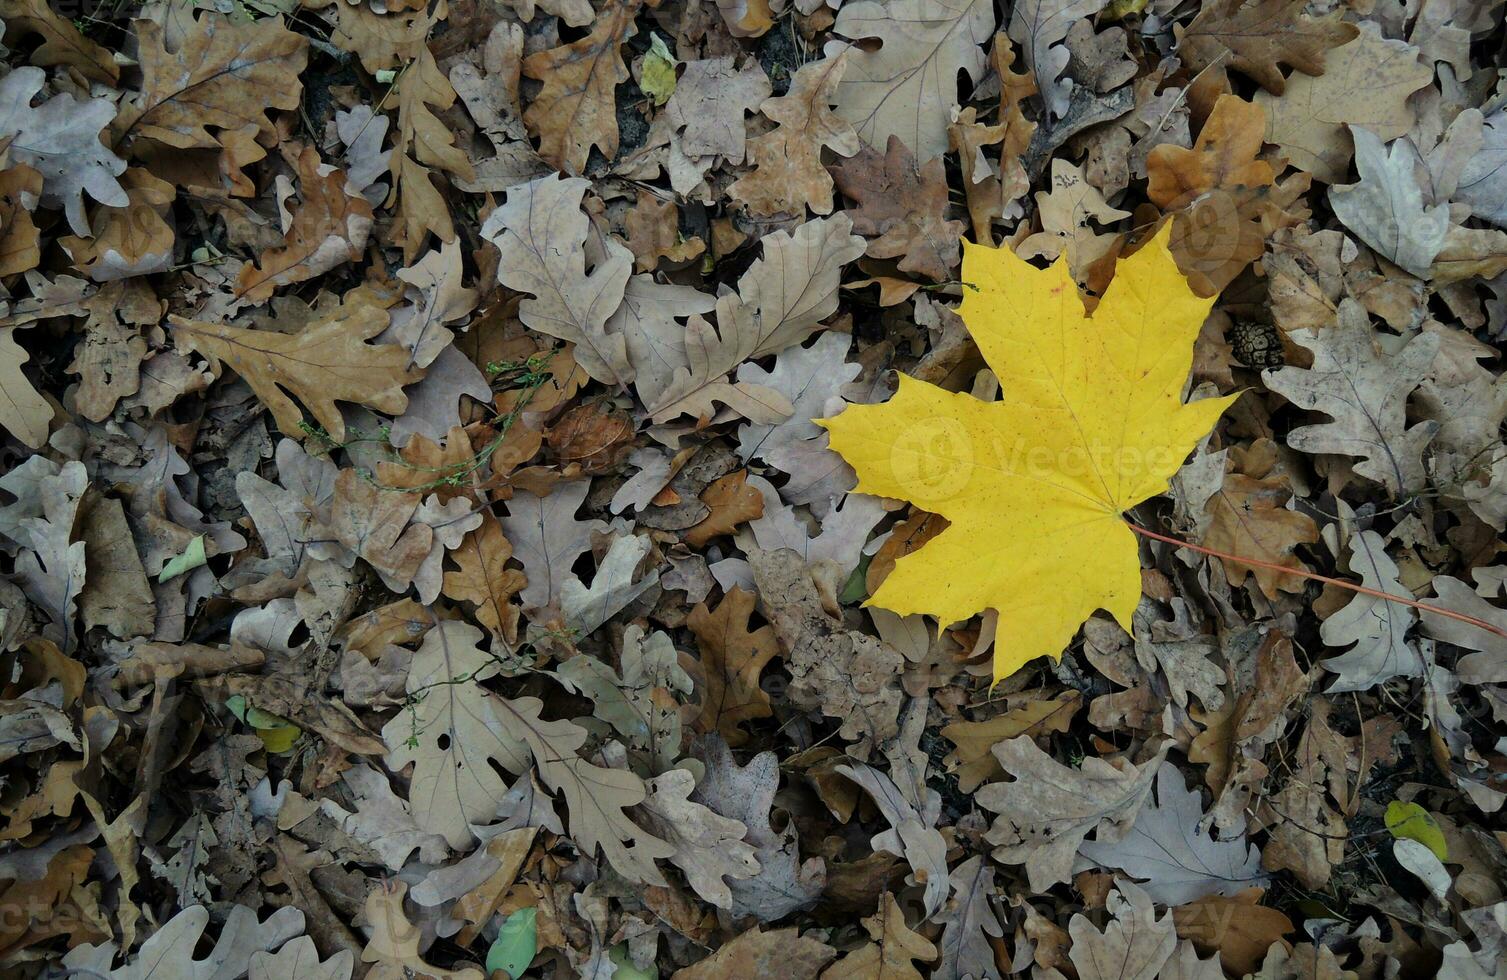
1236,927
1048,809
1363,386
327,361
1248,516
220,74
62,42
329,228
708,847
902,208
1385,207
593,436
732,658
393,946
974,763
709,103
135,240
1366,82
1033,487
60,139
889,956
787,174
455,729
1258,38
653,228
1216,191
424,141
1069,212
541,234
781,953
1375,630
908,85
24,413
968,923
20,245
299,960
732,502
993,189
781,300
576,110
373,523
1039,27
1135,944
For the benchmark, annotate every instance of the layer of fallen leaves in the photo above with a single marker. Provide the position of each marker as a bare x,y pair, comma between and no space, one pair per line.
418,559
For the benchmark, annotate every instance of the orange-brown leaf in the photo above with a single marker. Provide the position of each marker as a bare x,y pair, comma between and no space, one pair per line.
732,657
576,110
482,578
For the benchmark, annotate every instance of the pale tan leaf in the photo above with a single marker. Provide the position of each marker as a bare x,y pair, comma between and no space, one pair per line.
541,235
907,86
788,175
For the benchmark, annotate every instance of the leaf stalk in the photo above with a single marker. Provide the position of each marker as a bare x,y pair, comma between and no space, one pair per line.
1327,580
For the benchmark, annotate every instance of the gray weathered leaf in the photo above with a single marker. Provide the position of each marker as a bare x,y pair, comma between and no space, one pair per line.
784,883
541,232
709,848
60,140
1049,808
1363,386
1483,183
1134,944
612,588
1377,628
809,377
1039,27
1385,207
968,921
912,834
547,538
1171,849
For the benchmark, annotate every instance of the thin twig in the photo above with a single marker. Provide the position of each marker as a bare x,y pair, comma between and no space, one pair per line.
1336,582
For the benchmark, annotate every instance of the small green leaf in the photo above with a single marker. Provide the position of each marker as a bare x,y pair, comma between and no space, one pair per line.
516,944
1413,822
277,733
1120,9
856,588
193,556
625,968
658,80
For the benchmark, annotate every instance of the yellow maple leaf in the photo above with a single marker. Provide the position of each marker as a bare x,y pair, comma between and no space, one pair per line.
1091,423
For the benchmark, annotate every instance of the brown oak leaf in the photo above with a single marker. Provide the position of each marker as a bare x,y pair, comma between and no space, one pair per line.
219,74
482,578
902,208
329,360
329,228
576,110
1247,517
787,161
732,657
